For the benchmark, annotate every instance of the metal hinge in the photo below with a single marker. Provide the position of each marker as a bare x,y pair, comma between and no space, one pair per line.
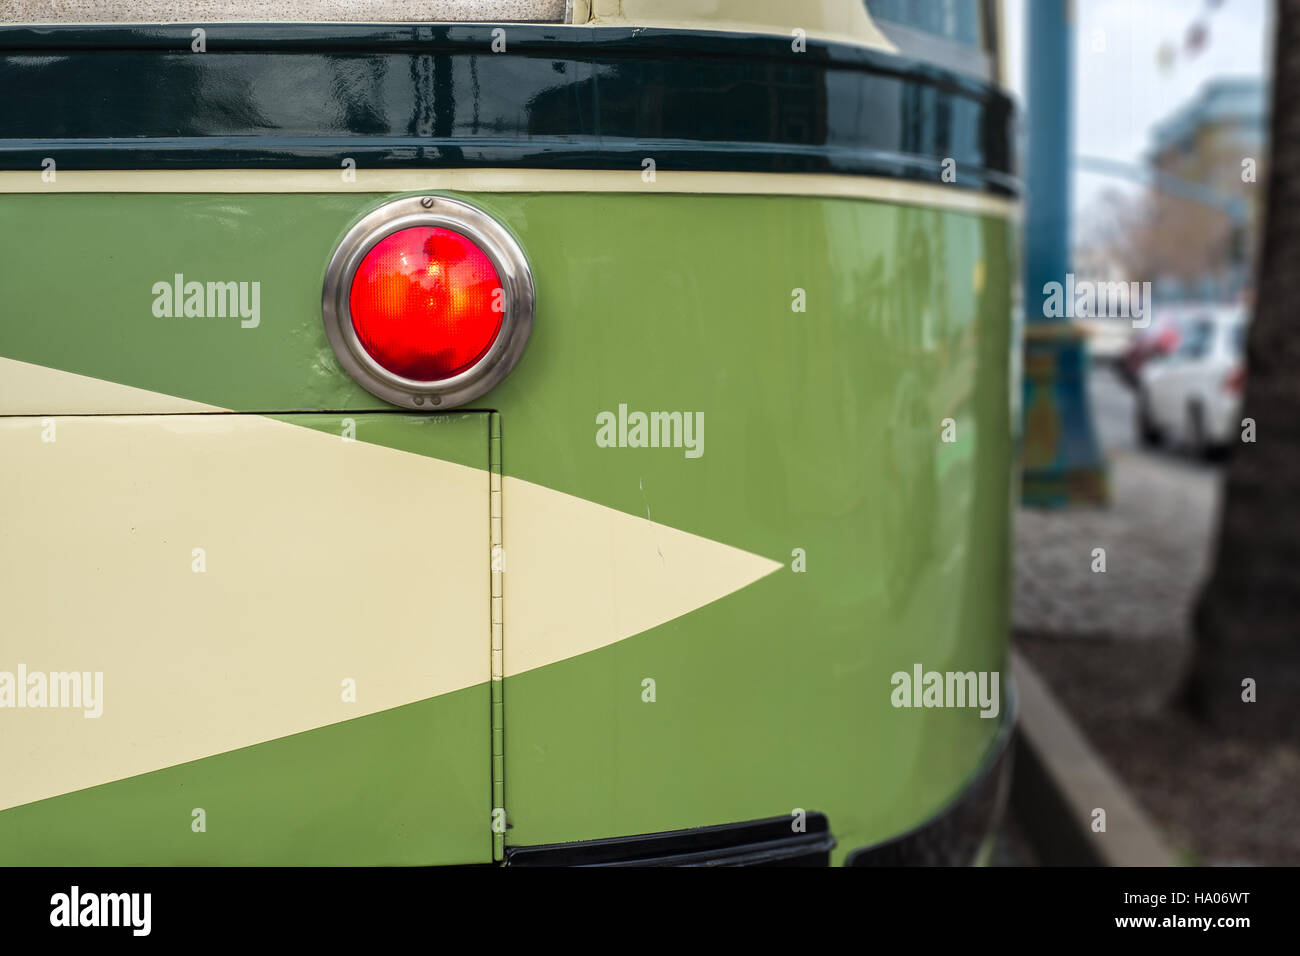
497,553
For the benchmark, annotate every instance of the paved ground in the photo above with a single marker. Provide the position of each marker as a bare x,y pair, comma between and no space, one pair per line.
1113,647
1012,847
1216,799
1155,535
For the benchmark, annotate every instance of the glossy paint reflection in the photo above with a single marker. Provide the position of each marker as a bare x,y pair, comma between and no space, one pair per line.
559,99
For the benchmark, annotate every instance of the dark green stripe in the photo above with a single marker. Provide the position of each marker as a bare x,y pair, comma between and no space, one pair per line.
293,96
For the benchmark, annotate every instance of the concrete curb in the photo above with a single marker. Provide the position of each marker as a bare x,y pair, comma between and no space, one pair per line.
1059,780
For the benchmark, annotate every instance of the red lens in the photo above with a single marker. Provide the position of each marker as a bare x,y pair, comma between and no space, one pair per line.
426,303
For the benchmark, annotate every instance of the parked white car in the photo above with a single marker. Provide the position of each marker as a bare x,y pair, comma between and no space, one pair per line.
1192,397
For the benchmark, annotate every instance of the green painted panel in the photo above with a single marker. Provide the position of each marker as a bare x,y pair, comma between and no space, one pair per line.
822,433
403,787
83,269
408,786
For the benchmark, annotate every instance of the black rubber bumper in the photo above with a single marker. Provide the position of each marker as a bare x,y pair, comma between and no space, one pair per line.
776,841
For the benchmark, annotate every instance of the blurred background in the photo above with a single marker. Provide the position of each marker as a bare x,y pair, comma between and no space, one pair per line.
1146,143
1170,143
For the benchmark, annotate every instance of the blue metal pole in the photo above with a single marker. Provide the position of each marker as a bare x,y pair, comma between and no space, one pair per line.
1062,461
1050,73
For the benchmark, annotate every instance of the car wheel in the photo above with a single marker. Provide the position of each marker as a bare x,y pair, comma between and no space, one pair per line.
1148,431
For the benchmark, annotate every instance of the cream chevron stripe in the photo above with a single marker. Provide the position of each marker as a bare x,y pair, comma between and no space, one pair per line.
27,389
667,181
324,561
580,576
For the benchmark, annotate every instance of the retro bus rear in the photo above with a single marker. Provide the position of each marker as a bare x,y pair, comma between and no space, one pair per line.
516,431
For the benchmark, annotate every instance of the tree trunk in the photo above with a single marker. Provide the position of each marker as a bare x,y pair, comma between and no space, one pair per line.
1247,619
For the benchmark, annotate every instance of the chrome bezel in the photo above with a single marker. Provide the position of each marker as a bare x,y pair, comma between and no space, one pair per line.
516,281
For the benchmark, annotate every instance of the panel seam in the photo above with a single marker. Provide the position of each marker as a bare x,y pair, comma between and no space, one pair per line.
497,571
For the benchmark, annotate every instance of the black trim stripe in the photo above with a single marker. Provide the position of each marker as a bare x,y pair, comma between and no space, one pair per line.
295,96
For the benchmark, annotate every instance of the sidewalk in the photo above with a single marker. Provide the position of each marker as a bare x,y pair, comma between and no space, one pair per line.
1112,647
1156,535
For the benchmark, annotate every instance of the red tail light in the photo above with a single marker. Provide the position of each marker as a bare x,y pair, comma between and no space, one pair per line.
428,302
1235,381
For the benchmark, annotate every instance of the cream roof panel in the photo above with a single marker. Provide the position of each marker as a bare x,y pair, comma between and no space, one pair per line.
280,11
844,21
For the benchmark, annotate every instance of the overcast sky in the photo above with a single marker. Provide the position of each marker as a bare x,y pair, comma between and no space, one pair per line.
1120,90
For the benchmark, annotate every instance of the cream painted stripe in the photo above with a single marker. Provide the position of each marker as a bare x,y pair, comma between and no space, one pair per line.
325,560
842,21
511,180
580,576
27,389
